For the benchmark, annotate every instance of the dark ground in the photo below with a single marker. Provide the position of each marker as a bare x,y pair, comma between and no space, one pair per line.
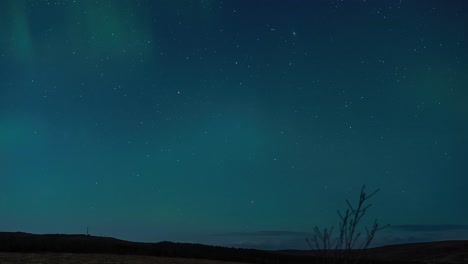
58,248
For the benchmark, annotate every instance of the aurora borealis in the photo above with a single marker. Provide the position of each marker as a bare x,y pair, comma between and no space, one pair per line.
240,123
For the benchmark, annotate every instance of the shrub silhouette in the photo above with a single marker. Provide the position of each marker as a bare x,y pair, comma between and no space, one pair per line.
342,249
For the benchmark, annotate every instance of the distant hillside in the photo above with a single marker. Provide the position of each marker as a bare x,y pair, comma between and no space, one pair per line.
27,243
433,252
427,252
437,252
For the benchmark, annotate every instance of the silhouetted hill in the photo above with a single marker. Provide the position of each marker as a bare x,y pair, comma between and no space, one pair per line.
59,243
427,252
24,242
440,251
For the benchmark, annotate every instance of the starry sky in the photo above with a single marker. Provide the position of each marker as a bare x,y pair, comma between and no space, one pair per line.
240,123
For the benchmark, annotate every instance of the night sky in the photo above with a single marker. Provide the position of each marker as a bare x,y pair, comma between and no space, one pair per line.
236,122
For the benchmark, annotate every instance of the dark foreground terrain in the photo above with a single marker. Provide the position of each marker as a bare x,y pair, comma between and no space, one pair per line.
70,258
428,252
30,248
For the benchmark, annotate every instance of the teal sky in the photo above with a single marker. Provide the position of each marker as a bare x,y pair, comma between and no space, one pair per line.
240,123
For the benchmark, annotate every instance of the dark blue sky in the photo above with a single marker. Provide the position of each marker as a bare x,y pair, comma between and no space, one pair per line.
240,123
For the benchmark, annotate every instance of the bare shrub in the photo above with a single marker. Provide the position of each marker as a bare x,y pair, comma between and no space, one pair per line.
349,246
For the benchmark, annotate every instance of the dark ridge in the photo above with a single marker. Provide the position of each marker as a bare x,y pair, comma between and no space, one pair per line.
60,243
453,251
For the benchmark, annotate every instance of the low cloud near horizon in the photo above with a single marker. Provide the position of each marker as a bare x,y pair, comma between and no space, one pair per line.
265,233
423,228
398,234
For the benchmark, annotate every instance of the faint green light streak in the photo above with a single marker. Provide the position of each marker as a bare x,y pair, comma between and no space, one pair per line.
18,33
